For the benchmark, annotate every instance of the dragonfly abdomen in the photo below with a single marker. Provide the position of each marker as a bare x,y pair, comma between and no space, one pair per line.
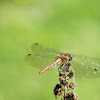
56,63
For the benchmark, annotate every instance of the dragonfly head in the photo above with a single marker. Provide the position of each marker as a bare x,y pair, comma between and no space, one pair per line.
65,57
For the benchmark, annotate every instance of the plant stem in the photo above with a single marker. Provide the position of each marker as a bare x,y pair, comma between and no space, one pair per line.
65,89
65,92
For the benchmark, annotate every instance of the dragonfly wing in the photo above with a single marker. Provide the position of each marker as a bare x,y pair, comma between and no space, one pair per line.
86,67
39,49
40,61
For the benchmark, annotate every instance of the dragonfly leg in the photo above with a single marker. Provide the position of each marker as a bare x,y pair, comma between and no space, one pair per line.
60,66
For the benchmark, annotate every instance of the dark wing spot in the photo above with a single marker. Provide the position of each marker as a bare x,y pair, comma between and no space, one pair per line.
29,54
36,43
95,69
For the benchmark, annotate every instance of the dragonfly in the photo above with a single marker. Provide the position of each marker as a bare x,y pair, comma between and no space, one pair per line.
46,58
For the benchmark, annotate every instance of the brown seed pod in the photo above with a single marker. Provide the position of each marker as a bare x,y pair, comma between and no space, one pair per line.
67,67
72,86
71,74
62,73
71,96
63,81
58,90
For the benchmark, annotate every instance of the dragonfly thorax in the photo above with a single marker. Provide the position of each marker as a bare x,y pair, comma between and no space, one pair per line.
66,57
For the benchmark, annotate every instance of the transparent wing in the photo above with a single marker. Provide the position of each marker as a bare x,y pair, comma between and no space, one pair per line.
39,49
41,56
86,67
40,61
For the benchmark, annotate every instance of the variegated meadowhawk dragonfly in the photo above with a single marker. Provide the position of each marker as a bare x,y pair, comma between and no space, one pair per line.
46,58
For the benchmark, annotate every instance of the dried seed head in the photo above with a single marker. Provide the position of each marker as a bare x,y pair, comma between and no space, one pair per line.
72,96
71,74
61,73
72,85
67,67
63,81
58,90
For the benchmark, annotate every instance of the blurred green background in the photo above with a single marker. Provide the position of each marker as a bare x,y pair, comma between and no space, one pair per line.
67,25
